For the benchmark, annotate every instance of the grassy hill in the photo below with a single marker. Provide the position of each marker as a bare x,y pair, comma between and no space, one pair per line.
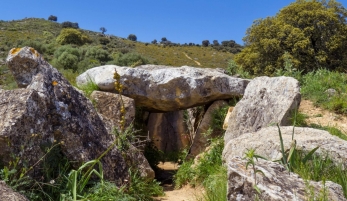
100,49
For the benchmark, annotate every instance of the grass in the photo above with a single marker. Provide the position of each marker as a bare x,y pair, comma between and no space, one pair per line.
209,172
316,83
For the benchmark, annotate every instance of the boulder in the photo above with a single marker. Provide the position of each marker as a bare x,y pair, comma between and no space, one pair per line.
108,105
200,140
267,143
7,194
277,184
48,112
168,131
266,101
163,89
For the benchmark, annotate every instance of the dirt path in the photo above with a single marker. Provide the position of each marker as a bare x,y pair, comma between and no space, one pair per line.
322,117
187,193
198,63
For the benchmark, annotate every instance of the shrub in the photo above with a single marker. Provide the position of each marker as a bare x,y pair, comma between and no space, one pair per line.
52,18
205,43
311,43
72,36
97,53
66,57
68,24
132,37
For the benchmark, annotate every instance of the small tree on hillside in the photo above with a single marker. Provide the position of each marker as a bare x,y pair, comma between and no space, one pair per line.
52,18
132,37
215,43
205,43
103,30
68,24
163,39
154,41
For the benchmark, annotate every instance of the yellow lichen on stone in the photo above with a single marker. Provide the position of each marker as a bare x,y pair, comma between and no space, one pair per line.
34,52
15,50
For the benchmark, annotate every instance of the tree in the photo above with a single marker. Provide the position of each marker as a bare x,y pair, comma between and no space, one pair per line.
72,36
311,34
132,37
103,30
52,18
154,41
68,24
215,43
163,39
205,43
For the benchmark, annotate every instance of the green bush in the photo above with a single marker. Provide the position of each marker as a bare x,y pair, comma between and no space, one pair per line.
97,53
72,36
130,59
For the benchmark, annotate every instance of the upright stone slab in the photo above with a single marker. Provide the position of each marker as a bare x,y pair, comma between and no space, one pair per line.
108,105
168,131
201,138
266,101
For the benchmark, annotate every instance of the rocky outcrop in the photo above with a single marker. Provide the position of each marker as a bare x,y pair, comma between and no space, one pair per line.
201,137
277,184
50,112
159,88
7,194
266,101
168,131
109,105
267,143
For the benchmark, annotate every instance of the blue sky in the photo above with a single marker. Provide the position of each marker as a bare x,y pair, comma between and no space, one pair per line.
180,21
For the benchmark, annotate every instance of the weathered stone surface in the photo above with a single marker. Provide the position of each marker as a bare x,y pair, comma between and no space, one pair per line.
7,194
276,185
48,111
200,140
226,120
168,131
165,89
267,143
266,101
108,105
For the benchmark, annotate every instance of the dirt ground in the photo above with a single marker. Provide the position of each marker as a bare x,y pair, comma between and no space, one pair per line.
322,117
187,193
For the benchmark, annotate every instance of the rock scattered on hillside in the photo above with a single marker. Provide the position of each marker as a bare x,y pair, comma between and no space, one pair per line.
165,89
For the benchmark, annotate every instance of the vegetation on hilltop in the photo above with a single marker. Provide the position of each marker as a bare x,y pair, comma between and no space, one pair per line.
312,33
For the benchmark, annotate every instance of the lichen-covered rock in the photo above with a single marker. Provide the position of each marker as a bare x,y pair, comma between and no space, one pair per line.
267,143
166,89
7,194
277,184
266,101
168,131
49,111
108,105
201,137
